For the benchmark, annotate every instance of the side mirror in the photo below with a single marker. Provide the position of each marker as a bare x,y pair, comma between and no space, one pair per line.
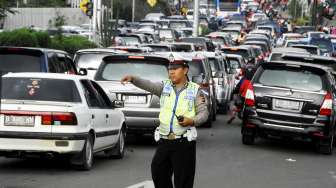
118,104
83,71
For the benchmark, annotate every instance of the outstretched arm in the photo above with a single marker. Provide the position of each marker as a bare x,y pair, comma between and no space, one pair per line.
153,87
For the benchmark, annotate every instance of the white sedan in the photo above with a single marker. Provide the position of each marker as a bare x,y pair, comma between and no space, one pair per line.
50,114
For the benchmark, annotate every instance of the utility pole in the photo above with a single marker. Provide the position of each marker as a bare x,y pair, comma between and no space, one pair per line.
133,10
196,16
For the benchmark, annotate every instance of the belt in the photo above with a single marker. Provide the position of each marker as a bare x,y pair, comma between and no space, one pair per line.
172,136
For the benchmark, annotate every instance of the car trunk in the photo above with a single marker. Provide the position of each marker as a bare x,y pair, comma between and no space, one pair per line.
297,103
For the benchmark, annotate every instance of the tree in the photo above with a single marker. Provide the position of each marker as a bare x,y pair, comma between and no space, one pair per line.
5,9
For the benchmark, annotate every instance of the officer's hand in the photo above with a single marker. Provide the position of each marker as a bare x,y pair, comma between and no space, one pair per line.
187,122
126,79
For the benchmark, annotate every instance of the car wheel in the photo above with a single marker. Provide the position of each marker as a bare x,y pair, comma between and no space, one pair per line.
86,155
118,151
326,146
248,136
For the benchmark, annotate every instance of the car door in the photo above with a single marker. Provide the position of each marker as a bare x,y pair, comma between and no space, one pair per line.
113,118
97,112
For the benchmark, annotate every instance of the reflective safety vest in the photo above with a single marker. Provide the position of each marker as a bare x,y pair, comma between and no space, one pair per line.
176,104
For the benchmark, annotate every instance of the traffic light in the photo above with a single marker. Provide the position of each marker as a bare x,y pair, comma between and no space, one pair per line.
87,7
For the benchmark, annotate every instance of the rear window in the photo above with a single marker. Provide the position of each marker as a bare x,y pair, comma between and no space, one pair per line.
165,34
196,68
292,78
160,48
20,61
145,69
234,64
40,89
241,52
182,48
177,25
90,60
218,40
132,40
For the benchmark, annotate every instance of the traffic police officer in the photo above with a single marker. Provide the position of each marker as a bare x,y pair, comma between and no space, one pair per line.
182,108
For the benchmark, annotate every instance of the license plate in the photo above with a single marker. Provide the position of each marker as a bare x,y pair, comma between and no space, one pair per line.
131,99
286,104
19,120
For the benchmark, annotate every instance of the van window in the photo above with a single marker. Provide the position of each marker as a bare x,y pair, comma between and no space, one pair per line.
20,61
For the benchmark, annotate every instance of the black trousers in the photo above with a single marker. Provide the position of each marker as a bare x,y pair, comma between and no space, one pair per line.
176,157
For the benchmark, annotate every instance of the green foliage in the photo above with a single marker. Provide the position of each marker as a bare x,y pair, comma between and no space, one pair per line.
29,38
72,44
43,39
19,37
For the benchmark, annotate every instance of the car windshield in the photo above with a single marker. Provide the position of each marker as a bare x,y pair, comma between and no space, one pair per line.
131,40
20,62
234,64
234,34
214,64
195,69
291,78
40,89
90,60
182,48
148,70
165,34
160,48
177,25
218,40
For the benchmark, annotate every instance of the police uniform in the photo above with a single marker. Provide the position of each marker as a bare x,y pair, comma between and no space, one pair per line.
176,150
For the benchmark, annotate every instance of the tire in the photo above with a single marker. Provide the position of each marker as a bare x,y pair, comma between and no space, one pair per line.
118,151
248,136
325,146
248,139
86,156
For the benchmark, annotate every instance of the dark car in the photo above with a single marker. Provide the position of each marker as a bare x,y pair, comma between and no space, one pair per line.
324,44
245,51
21,59
201,42
290,99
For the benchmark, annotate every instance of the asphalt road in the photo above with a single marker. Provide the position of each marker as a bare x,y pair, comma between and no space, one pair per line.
222,161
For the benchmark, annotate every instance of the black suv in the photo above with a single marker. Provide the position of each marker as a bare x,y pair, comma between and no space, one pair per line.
22,59
291,100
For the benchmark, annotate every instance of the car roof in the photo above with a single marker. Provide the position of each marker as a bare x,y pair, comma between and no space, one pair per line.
304,45
45,75
100,50
286,62
289,49
31,48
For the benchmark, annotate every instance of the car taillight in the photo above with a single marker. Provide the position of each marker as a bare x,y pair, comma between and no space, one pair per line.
59,118
326,107
249,96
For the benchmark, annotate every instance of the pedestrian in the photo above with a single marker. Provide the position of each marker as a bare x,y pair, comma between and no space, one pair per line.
182,108
238,94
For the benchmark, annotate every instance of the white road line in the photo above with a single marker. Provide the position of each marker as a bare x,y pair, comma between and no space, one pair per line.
144,184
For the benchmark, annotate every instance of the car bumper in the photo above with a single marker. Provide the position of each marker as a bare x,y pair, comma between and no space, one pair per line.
262,124
143,120
41,142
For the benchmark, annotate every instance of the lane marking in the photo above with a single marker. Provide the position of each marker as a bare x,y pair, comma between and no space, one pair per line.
144,184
